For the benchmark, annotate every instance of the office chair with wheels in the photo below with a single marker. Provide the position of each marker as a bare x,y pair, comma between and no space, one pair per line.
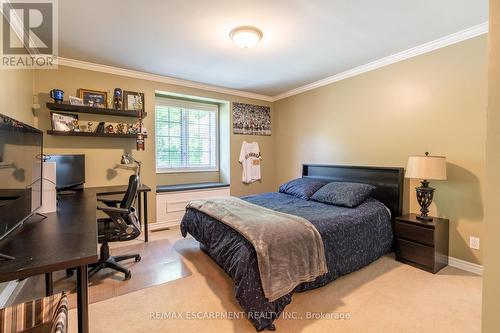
121,225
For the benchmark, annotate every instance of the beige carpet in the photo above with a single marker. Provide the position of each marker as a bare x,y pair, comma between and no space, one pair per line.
386,296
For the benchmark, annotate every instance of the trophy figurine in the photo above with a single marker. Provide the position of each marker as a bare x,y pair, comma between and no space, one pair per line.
110,100
118,99
90,127
75,125
120,128
130,129
110,129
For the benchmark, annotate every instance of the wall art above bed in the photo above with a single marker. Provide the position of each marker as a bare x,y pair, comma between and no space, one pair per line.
251,119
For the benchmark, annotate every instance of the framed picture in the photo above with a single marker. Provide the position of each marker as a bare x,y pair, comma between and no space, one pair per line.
64,122
75,101
94,98
251,119
133,100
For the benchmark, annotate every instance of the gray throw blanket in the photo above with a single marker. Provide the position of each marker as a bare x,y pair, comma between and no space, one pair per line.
289,248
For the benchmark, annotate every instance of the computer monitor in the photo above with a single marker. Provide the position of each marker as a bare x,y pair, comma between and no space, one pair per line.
21,149
70,171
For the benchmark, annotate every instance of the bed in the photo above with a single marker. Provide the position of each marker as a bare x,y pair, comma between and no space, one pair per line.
352,237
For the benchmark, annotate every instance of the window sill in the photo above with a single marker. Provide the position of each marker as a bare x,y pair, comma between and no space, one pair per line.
190,187
186,171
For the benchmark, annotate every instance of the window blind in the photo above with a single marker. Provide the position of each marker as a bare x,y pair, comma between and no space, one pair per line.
186,136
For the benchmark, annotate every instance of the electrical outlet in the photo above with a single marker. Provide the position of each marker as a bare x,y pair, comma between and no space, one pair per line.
474,242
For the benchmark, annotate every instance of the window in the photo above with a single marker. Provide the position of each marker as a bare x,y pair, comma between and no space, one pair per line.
186,136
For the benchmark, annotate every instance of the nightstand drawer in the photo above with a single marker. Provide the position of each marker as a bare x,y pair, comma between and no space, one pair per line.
414,252
415,233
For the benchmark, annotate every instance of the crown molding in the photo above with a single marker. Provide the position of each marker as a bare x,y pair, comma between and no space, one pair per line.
454,38
457,37
157,78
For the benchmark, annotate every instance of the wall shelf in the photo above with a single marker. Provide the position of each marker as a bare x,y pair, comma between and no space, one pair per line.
91,110
92,134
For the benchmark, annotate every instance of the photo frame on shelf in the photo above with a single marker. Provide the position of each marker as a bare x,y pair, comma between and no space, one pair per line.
133,101
94,98
64,122
75,101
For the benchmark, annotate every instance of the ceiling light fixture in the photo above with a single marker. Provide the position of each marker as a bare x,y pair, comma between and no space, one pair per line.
246,36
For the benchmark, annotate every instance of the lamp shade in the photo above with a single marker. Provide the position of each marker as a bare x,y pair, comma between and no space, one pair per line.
426,167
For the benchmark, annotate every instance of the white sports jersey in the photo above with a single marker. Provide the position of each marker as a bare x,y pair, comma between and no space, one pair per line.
250,160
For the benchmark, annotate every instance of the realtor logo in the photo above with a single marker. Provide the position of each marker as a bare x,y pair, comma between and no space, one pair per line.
29,34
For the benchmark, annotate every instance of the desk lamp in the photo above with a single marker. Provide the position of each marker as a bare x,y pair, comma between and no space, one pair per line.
128,159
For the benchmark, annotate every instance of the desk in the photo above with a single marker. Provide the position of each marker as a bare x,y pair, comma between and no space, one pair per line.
143,191
65,239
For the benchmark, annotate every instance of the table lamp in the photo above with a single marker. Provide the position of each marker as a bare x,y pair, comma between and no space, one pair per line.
128,159
425,167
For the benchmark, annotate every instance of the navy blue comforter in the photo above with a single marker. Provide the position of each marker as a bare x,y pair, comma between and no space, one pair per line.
353,238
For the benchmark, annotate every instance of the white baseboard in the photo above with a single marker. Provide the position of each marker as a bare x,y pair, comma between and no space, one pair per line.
163,225
465,265
7,292
453,262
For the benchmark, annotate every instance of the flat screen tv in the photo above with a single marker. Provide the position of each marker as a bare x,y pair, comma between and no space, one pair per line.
70,171
21,149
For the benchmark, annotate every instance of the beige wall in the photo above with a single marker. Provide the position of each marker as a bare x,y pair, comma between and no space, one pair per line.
435,102
103,154
16,94
491,278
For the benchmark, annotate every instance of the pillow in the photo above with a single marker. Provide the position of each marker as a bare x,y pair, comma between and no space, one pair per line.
302,187
343,193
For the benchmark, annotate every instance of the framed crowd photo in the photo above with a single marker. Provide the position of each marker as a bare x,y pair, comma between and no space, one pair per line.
94,98
133,100
249,119
64,122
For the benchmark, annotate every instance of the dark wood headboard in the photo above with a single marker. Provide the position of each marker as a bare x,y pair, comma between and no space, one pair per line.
389,181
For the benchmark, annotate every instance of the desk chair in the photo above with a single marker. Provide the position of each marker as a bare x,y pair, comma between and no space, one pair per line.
121,225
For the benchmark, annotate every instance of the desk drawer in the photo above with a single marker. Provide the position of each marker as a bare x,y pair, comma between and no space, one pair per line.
414,252
415,233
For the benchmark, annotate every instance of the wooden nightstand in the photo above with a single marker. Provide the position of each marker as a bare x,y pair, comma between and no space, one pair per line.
422,244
